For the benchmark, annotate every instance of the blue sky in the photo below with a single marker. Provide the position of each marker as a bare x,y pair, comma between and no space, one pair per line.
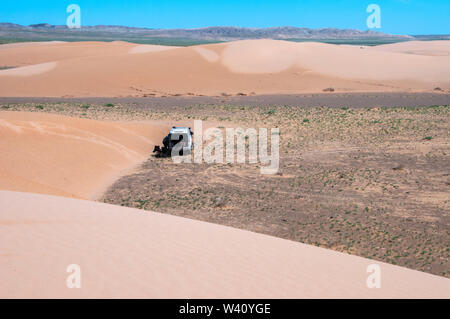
397,16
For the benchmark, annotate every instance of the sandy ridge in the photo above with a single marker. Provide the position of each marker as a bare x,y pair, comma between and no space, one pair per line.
54,154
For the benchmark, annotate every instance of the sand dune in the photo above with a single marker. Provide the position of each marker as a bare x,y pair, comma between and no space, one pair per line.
253,66
30,70
130,253
149,48
432,48
72,157
29,44
22,54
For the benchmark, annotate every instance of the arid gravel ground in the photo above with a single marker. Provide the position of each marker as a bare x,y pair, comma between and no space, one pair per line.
355,100
373,182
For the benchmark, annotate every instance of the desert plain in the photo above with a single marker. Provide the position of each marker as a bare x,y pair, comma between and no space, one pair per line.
364,170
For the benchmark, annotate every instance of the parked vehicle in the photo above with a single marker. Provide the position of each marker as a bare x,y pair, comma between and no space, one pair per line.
177,143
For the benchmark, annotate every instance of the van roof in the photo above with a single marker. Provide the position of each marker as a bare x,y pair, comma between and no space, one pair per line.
180,130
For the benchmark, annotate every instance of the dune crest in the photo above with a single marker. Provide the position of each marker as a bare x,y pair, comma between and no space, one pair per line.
351,62
29,70
65,156
150,48
259,56
207,54
29,44
431,48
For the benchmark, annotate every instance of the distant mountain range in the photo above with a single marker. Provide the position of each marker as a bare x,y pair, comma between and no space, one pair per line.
210,33
10,32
